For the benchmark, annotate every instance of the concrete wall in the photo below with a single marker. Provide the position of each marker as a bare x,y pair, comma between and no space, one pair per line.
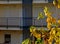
11,10
16,36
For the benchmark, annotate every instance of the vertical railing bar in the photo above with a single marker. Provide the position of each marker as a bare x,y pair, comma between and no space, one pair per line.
7,22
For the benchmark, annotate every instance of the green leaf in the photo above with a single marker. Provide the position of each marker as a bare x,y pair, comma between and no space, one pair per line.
26,41
40,16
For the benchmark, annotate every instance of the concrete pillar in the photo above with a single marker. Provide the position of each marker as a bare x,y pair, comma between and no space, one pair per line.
27,17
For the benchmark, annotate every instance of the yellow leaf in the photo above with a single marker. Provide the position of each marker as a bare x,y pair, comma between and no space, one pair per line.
58,21
58,5
48,19
26,41
54,2
40,16
45,9
58,1
58,33
37,35
50,39
32,28
48,25
53,20
46,14
54,32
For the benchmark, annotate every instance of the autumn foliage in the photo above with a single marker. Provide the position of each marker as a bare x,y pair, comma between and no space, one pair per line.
49,36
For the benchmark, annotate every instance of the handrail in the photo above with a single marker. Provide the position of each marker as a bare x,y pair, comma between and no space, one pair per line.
18,21
4,43
6,21
10,0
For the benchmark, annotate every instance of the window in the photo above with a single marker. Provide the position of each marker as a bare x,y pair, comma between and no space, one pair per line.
7,38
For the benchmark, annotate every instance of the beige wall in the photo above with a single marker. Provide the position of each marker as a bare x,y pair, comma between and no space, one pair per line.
11,10
16,36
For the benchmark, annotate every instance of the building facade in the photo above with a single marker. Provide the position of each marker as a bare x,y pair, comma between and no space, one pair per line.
16,16
11,21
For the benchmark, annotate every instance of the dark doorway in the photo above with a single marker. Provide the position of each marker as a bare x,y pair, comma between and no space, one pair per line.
7,38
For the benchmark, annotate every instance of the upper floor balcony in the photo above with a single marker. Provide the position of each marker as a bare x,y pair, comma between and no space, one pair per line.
20,1
10,1
11,23
42,1
16,23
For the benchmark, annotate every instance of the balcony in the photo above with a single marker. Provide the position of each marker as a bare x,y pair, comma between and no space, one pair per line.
39,23
20,1
16,23
10,1
40,1
11,23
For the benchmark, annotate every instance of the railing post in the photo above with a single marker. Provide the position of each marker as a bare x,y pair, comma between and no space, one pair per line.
7,22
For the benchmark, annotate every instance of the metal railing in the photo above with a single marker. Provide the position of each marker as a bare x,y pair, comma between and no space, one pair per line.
43,1
40,0
5,43
10,21
39,23
10,0
18,21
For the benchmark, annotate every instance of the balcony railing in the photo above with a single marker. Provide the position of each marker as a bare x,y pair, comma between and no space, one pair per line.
40,1
20,1
15,23
18,21
4,43
10,1
39,23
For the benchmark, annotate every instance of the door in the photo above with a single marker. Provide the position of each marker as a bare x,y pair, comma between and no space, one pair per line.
7,38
